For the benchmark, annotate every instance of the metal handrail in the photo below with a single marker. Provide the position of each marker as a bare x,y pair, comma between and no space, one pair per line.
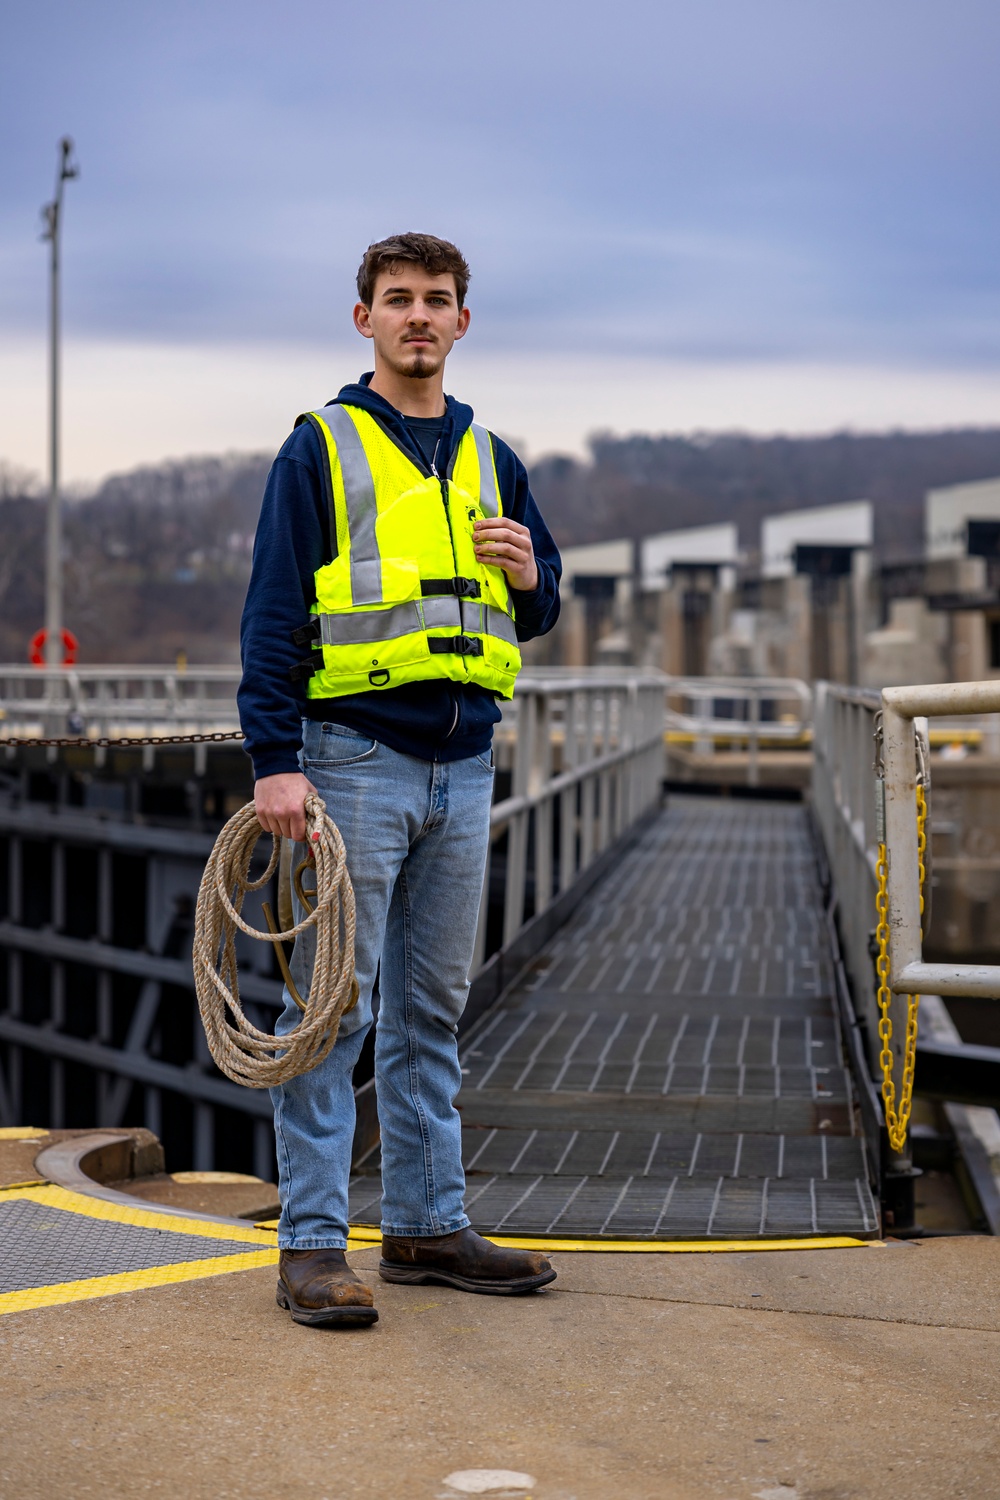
584,747
843,799
608,731
901,706
109,701
705,726
751,690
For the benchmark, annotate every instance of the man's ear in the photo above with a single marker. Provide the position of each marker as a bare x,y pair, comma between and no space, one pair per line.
463,323
363,320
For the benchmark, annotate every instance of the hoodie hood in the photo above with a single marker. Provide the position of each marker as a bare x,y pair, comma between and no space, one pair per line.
457,420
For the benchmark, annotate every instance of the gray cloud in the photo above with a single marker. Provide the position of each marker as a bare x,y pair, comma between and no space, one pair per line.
702,179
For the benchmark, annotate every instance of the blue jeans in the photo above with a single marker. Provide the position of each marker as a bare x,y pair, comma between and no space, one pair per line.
417,835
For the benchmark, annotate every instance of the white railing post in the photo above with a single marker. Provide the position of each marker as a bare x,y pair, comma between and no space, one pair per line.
540,777
517,828
753,750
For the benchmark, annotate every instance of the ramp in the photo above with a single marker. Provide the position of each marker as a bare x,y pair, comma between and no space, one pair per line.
671,1066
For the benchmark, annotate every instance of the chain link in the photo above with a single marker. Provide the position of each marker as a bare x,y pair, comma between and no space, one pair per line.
81,742
897,1123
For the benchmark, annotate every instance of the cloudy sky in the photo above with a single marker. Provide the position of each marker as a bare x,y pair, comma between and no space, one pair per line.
767,214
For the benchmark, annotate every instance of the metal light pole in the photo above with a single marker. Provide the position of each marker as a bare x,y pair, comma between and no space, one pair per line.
52,216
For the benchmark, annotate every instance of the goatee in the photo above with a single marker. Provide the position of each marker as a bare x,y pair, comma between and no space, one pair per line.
422,368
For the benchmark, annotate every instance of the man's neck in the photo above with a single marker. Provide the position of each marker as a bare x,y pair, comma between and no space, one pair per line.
414,398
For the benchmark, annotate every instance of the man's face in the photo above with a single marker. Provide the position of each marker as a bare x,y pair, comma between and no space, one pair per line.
414,319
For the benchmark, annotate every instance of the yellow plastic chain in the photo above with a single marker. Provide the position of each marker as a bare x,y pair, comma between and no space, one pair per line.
897,1123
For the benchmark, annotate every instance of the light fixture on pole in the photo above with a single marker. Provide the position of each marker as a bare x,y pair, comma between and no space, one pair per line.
52,218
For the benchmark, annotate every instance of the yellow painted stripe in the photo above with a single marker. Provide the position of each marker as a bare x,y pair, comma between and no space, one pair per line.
21,1133
364,1234
678,1247
142,1218
10,1187
133,1281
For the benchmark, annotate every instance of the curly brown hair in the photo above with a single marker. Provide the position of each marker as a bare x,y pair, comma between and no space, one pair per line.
438,257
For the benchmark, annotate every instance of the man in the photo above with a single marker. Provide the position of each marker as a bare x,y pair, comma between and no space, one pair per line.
399,560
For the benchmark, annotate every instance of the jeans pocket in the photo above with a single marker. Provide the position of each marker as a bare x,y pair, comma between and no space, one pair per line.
486,761
336,745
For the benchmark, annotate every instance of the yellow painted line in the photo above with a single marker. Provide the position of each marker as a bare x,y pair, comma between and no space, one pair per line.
364,1234
21,1133
133,1281
142,1218
12,1187
677,1247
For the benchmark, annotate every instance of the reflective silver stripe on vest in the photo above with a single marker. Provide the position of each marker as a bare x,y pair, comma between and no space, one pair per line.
371,625
442,612
500,625
483,619
488,500
359,493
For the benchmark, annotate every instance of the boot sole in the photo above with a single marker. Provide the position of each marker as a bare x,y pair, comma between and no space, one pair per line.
422,1275
325,1317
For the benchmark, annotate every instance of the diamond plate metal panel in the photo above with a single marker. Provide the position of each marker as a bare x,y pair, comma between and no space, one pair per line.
43,1246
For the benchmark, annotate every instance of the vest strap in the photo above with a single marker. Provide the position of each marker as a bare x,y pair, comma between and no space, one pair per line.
462,588
306,634
308,668
460,645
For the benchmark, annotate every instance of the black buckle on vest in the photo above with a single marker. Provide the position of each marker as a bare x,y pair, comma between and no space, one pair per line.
459,645
307,668
461,588
306,634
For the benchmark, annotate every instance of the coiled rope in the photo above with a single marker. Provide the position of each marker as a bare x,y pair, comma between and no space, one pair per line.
245,1054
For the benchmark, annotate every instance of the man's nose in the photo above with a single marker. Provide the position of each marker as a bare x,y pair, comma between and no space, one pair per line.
418,314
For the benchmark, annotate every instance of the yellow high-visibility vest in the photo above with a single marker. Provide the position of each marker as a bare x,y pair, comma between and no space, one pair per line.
405,597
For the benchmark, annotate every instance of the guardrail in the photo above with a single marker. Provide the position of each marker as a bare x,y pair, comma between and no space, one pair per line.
113,701
587,763
741,710
95,930
903,708
843,793
845,802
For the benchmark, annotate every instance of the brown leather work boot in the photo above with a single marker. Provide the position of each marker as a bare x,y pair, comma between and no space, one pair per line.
463,1259
319,1288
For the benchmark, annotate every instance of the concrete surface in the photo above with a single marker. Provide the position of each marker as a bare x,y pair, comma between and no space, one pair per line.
229,1194
813,1375
226,1194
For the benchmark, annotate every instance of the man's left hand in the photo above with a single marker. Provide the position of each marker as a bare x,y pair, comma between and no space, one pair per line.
506,544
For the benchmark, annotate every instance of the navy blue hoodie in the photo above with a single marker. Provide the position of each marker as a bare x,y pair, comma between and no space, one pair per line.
435,720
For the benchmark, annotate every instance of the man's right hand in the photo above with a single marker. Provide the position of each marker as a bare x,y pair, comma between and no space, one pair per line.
280,802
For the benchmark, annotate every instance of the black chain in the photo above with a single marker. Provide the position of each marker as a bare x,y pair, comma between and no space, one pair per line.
104,743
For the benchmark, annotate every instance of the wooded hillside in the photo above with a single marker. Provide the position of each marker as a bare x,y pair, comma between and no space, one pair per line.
157,559
639,485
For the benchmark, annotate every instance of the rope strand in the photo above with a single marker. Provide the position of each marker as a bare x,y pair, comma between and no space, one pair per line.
244,1053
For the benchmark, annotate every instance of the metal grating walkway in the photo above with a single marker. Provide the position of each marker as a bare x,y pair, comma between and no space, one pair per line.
671,1066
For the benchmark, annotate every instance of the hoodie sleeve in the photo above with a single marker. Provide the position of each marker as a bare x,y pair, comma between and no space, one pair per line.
535,610
290,544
